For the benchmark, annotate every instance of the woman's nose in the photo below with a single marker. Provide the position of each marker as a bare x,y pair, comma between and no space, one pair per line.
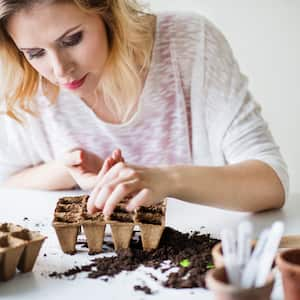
62,66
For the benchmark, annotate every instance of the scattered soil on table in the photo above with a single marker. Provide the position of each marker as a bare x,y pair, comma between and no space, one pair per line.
193,248
144,289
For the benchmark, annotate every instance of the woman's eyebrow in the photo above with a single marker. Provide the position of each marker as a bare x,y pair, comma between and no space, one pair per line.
61,37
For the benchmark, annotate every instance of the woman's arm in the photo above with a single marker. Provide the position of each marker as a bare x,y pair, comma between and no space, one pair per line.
248,186
47,176
76,168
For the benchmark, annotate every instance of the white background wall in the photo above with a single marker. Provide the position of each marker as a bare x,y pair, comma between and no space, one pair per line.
265,37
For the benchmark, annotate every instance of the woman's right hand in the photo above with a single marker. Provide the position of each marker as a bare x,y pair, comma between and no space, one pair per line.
84,166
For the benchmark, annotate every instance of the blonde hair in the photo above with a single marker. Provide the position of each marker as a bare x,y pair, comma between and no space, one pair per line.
130,32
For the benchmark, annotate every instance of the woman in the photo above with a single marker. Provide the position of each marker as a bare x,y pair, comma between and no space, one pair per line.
81,78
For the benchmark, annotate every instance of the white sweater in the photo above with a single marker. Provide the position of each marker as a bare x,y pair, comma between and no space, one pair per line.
195,108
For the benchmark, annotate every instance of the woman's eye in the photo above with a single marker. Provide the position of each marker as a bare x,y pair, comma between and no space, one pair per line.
67,42
32,55
72,40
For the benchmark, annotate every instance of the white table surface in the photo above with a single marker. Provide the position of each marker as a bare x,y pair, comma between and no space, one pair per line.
38,207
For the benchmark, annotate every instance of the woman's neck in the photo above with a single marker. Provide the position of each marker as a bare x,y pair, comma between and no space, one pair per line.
97,103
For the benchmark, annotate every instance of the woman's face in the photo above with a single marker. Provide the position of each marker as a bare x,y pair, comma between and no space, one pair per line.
64,44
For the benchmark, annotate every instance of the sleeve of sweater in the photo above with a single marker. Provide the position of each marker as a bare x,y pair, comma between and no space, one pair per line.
17,147
234,121
13,156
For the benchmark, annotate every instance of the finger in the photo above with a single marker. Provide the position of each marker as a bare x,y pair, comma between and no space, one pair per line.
104,178
73,158
91,208
102,197
116,154
91,201
112,173
108,173
107,164
121,157
102,192
117,195
143,198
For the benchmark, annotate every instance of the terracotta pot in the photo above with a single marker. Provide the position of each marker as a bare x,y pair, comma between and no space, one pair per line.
288,262
217,281
217,254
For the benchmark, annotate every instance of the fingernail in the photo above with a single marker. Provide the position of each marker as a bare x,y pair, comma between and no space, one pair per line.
106,217
90,200
89,208
106,213
130,208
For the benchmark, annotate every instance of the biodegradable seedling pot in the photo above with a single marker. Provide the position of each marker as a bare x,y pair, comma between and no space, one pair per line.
71,214
34,241
10,252
19,248
94,232
288,262
151,235
8,228
217,282
121,234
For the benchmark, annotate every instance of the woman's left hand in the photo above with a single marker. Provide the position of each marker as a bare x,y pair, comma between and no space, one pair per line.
145,186
83,166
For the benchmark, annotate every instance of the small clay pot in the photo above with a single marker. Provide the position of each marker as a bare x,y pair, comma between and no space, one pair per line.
217,281
288,262
217,254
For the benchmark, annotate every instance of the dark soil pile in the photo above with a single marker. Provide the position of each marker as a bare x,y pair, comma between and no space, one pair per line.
190,252
144,289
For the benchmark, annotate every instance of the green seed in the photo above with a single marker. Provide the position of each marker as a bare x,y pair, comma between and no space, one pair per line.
210,266
185,263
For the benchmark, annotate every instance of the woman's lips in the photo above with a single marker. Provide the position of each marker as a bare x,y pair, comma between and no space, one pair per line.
75,84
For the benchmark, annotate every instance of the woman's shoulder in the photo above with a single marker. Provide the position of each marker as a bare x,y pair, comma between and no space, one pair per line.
177,26
181,35
183,20
185,25
188,29
189,35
